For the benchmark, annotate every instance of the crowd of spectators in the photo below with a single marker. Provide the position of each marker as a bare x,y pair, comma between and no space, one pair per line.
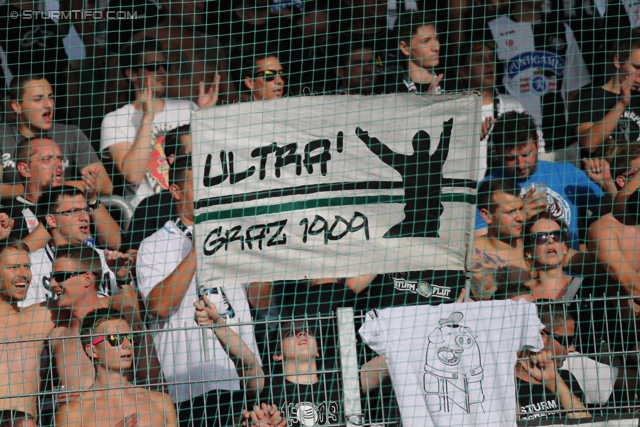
101,325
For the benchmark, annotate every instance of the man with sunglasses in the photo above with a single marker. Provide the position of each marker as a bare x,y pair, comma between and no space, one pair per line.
20,359
107,340
264,76
545,392
133,136
75,280
67,217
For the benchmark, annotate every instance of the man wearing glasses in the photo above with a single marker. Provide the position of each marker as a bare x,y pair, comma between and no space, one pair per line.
133,136
40,166
264,76
545,392
75,280
108,343
67,218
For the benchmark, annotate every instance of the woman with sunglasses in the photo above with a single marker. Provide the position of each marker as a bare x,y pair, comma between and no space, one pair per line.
545,246
113,400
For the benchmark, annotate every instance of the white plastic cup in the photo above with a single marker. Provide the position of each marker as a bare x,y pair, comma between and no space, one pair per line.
540,187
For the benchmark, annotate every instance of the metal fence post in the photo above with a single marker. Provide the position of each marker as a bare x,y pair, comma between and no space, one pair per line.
349,366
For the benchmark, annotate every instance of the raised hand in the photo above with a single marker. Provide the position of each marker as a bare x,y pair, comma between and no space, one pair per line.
434,84
6,225
90,183
534,204
599,171
146,102
626,87
442,152
487,124
209,98
120,262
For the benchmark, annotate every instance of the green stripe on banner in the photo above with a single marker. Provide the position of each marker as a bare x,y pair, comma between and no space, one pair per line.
294,206
459,197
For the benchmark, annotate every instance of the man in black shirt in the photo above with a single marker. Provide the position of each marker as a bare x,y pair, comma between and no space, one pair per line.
420,44
611,113
303,395
549,392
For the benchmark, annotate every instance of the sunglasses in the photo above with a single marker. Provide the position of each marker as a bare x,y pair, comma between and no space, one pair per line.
543,238
154,67
270,75
63,276
566,341
114,340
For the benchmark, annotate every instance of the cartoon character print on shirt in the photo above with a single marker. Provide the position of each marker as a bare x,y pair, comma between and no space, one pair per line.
558,207
158,168
453,369
308,414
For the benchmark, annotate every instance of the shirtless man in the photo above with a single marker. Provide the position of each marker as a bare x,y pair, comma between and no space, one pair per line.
19,361
615,237
502,208
108,342
76,270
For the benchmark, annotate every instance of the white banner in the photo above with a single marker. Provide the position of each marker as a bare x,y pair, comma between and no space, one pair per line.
334,186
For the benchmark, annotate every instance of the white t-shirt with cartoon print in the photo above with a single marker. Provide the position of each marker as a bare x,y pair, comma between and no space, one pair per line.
453,364
123,124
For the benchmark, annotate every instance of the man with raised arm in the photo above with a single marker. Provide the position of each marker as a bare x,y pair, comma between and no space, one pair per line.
202,377
23,331
133,136
615,237
108,342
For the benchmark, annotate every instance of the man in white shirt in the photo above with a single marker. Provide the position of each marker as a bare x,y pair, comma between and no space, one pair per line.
68,219
200,378
133,136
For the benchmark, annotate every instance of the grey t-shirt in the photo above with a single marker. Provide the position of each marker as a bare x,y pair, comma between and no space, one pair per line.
74,145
